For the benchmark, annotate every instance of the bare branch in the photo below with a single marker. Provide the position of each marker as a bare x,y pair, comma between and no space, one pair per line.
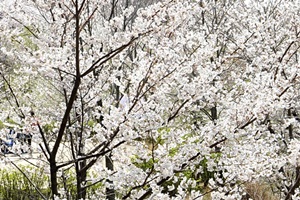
21,115
111,54
26,27
44,140
36,188
88,20
177,111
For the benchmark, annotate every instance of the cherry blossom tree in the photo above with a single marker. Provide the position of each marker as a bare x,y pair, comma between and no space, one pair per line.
179,99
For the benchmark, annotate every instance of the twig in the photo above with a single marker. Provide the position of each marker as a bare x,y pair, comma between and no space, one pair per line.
40,193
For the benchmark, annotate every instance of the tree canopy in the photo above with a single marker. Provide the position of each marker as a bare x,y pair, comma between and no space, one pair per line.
161,99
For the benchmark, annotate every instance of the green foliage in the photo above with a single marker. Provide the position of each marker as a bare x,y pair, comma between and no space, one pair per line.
94,187
201,178
10,123
173,151
68,182
25,38
163,129
1,125
205,175
14,185
143,164
159,140
48,127
91,123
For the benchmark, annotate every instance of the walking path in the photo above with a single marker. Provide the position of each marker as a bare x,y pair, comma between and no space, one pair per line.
34,158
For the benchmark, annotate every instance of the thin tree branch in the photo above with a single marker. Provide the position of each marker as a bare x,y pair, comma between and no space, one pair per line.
14,96
87,21
286,50
26,27
44,139
111,54
177,111
102,153
40,193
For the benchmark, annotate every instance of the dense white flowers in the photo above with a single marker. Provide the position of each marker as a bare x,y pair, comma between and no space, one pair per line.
183,96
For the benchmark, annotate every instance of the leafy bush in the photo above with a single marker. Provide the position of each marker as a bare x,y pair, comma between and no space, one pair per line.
14,185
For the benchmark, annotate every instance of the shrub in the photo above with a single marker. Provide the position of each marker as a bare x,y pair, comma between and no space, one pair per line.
14,185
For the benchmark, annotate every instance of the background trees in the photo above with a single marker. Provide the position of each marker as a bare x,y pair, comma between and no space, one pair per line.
177,98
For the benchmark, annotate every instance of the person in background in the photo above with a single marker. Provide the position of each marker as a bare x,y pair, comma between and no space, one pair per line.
31,128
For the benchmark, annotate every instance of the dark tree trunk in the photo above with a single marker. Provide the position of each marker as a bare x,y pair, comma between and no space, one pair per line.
110,192
81,178
53,177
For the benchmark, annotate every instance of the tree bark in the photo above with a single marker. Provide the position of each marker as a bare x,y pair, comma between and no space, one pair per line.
53,177
110,192
61,132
